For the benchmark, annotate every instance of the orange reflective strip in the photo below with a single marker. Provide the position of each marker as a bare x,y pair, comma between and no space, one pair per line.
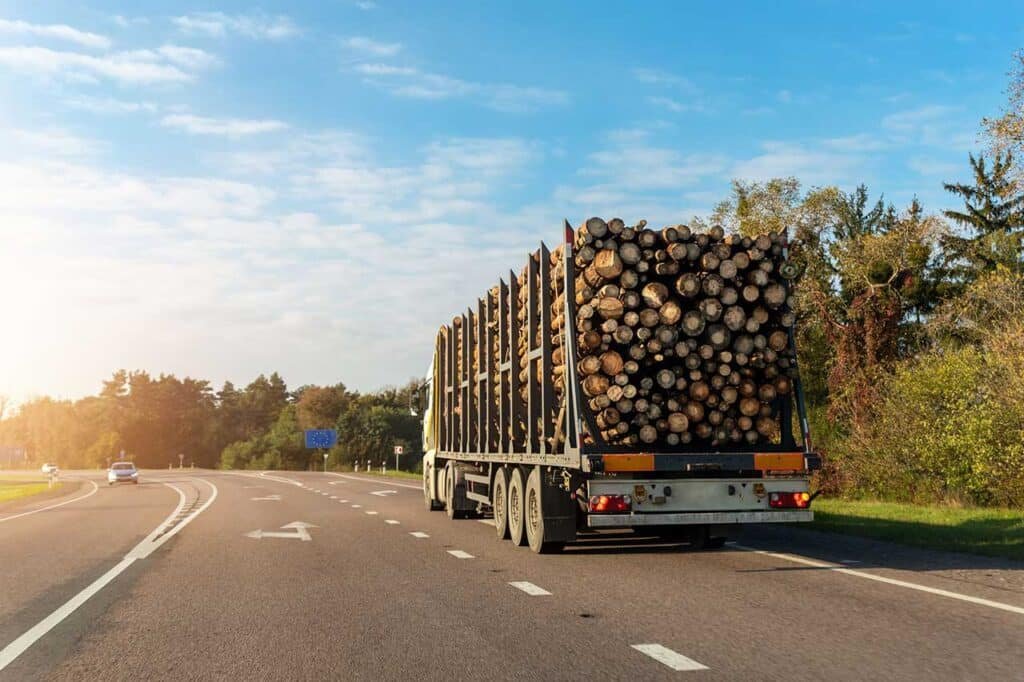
779,461
628,462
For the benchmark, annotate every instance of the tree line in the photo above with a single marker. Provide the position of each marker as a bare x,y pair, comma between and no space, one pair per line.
164,420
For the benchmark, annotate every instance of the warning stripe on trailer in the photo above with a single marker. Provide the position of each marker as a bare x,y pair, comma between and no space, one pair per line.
747,461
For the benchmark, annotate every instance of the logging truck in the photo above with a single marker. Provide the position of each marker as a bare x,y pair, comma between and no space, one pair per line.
628,379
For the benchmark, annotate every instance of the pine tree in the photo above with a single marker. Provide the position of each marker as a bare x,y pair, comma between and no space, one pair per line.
855,219
993,218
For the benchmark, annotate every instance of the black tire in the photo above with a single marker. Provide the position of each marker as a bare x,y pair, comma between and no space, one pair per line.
534,503
428,499
452,494
499,503
516,508
714,542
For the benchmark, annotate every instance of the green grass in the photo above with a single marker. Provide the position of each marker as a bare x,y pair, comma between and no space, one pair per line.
393,474
991,532
17,489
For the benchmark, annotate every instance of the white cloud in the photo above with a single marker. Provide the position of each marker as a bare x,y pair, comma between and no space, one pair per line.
412,83
109,105
138,66
57,31
675,106
659,77
366,5
227,127
784,96
813,164
222,256
254,26
372,47
932,125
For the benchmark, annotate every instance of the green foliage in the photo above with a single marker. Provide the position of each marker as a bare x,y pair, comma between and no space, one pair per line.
993,216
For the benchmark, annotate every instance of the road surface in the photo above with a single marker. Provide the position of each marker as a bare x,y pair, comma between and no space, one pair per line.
287,575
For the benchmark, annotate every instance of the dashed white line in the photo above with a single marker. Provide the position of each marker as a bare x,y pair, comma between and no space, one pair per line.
391,522
357,506
371,513
459,554
334,497
889,581
529,588
343,501
672,659
419,534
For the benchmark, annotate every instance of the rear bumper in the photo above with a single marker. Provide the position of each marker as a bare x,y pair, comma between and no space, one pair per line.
697,518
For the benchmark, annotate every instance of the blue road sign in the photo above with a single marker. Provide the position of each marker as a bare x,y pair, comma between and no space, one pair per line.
321,438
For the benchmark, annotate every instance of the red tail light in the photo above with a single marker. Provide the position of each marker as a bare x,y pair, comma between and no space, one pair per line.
610,503
789,500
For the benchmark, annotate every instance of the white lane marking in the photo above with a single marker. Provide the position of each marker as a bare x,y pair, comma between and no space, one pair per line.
419,534
54,506
357,506
280,479
888,581
343,501
459,554
383,493
378,480
672,659
489,522
299,528
529,588
335,482
372,513
268,498
324,493
148,545
391,522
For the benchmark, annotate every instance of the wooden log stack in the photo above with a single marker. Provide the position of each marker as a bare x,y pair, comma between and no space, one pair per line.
682,336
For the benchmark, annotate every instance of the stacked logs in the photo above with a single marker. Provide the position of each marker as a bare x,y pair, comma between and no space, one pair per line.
682,336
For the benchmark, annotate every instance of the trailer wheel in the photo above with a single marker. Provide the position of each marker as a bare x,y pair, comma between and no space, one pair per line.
535,527
454,494
516,508
428,497
499,502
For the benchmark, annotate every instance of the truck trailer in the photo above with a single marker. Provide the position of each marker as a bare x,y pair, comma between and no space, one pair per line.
516,426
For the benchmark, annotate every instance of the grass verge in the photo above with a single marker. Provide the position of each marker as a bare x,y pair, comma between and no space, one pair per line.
392,473
17,489
990,532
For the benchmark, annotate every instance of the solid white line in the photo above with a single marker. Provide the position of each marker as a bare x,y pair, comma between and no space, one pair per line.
419,534
54,506
459,554
377,480
489,522
372,513
529,588
280,479
672,659
888,581
140,551
391,522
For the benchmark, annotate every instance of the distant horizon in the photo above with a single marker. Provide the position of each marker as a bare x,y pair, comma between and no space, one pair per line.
213,191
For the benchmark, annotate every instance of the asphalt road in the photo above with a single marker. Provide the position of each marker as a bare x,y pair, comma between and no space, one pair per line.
218,575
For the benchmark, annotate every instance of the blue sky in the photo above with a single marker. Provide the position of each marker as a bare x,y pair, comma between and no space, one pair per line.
227,189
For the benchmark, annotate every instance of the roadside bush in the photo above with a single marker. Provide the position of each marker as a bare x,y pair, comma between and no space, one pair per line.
947,427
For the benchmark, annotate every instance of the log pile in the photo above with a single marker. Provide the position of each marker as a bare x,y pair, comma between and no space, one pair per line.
683,336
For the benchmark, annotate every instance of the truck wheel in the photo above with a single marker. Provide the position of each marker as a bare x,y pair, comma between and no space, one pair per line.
535,516
428,498
454,494
499,502
516,508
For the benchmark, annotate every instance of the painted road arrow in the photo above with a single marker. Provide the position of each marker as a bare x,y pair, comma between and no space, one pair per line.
382,493
299,528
